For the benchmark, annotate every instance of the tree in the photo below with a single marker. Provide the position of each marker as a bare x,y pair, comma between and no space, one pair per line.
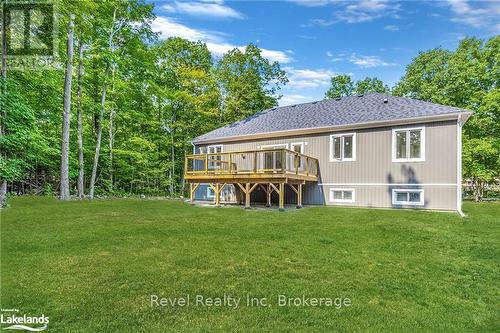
21,141
481,163
190,105
467,78
249,83
341,86
3,184
370,85
68,76
81,170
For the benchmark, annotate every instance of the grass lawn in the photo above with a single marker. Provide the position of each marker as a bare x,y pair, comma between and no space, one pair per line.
93,266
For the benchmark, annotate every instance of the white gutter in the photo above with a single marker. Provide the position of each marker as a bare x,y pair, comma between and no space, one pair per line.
459,165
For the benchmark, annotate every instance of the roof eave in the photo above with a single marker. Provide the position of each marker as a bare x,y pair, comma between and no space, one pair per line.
317,130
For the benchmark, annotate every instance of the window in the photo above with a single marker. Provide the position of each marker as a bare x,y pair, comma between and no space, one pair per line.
213,164
274,159
341,195
408,197
343,147
297,147
408,144
210,193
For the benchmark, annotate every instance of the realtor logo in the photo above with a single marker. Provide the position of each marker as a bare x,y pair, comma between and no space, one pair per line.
29,33
10,320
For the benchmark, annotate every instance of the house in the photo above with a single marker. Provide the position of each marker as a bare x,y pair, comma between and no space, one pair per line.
373,150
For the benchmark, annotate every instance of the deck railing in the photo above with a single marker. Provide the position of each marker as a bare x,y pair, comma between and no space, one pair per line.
269,161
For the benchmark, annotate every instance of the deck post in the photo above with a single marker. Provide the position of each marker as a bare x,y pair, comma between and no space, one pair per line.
282,197
217,194
247,195
269,191
299,196
192,189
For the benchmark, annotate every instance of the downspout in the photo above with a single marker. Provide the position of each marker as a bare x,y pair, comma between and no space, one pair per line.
459,166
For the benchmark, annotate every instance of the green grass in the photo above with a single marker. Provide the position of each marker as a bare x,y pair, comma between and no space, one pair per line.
92,266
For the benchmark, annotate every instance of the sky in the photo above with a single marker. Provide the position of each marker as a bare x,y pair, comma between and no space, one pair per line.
317,39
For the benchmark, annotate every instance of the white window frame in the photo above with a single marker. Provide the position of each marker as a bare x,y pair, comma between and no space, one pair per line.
212,161
276,146
215,146
407,203
301,144
342,159
422,144
343,190
210,192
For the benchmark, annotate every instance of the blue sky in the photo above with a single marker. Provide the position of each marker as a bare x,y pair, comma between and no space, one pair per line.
314,40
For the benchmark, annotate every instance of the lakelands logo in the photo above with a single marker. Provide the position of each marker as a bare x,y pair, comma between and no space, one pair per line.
15,321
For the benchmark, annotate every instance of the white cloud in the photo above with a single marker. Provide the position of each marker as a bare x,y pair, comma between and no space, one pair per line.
215,41
391,28
207,8
168,27
308,78
478,15
367,61
291,99
313,3
356,12
367,10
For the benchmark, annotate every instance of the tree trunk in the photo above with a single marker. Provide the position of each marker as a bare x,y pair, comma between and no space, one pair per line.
172,167
64,189
3,184
111,136
80,184
101,113
111,142
98,140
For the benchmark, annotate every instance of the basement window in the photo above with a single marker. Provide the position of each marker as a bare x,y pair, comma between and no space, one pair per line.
413,197
341,195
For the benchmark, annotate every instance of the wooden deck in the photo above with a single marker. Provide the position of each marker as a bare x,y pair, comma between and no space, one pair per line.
271,169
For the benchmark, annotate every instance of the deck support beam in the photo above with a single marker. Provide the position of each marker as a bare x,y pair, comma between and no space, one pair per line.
298,191
282,197
269,191
299,196
247,189
192,189
218,187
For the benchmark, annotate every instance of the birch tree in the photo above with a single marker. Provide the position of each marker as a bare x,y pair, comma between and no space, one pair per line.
81,170
64,187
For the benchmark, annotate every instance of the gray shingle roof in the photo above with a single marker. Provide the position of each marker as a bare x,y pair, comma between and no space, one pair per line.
332,112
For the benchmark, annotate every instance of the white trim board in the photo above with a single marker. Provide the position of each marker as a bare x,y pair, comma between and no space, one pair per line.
275,146
385,184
